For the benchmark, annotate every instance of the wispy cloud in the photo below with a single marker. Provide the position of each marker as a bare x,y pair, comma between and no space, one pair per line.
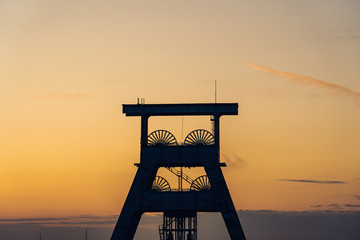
317,206
23,220
334,206
352,205
306,80
312,181
50,96
234,160
357,197
346,33
74,220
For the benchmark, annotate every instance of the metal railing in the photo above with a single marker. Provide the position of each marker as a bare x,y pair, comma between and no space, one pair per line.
180,174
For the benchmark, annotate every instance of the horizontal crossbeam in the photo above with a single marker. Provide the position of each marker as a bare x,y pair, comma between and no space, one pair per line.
185,109
179,201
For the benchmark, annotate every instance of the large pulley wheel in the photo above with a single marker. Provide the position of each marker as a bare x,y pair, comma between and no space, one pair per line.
199,137
201,183
160,184
161,138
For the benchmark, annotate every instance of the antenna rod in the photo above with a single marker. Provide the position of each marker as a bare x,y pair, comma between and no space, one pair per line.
215,92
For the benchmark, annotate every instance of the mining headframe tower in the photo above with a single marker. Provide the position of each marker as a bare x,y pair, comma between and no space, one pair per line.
159,149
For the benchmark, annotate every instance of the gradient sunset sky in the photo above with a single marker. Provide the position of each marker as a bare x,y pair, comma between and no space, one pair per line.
66,67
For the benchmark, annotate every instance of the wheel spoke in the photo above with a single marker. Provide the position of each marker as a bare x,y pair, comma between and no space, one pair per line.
200,184
161,137
160,184
199,137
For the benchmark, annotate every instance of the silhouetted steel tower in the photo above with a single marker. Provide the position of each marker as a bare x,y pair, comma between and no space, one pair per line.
152,193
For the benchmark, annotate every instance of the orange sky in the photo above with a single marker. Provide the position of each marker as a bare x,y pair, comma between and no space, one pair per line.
66,68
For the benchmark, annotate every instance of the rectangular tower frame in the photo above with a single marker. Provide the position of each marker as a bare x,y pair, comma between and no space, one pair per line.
140,199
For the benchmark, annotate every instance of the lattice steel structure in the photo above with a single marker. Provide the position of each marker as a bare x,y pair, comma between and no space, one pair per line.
152,193
179,226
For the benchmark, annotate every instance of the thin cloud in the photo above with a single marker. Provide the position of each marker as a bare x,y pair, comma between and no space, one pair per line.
352,205
57,96
312,181
74,220
22,220
334,206
357,197
346,33
305,80
316,206
234,160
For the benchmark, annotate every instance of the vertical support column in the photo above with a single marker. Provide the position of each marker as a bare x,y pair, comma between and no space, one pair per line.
216,120
144,130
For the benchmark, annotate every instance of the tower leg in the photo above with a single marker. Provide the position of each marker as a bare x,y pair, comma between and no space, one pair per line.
225,203
131,213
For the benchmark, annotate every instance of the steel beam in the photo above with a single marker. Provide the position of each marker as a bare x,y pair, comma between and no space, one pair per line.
190,109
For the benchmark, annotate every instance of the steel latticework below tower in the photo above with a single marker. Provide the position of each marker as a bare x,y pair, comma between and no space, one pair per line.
152,193
179,226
